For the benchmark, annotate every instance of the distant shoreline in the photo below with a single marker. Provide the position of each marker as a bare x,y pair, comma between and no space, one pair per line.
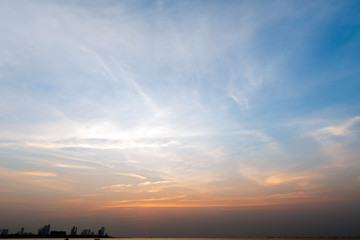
94,237
40,237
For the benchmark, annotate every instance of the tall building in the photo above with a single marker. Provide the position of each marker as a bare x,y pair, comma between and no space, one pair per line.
4,231
85,232
22,231
73,231
44,230
101,232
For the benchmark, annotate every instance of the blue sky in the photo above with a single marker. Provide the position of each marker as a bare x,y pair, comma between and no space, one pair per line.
177,104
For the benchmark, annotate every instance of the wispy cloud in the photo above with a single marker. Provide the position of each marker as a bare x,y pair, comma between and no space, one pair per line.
178,103
116,187
95,144
242,88
13,173
61,165
132,175
40,174
126,75
303,181
153,183
337,130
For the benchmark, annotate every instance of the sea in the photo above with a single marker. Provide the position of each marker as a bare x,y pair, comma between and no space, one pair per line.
269,238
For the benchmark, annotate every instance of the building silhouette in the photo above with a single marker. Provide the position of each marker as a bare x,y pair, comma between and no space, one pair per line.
44,231
58,234
4,231
73,231
85,232
101,232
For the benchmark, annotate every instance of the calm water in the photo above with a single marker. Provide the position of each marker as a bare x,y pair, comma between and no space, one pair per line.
322,238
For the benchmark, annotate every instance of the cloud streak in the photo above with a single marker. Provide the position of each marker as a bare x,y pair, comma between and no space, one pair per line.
178,104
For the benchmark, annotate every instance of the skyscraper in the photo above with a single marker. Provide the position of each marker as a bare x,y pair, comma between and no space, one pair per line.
101,232
44,230
73,231
85,232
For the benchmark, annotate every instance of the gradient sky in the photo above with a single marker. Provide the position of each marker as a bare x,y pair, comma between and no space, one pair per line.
181,118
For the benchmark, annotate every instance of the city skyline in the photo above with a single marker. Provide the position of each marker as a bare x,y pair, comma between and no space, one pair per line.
184,118
46,230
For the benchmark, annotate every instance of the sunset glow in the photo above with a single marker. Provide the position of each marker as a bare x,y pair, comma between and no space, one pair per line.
140,114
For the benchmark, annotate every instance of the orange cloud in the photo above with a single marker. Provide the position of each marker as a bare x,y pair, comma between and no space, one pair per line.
40,174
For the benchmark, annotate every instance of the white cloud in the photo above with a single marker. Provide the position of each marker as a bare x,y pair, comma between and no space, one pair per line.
132,175
61,165
148,96
117,187
337,130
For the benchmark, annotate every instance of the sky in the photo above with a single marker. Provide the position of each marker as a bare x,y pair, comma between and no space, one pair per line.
181,118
